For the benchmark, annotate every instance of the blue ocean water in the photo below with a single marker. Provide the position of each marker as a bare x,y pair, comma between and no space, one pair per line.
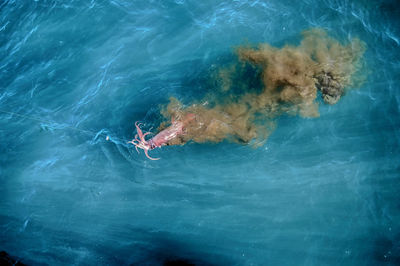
321,191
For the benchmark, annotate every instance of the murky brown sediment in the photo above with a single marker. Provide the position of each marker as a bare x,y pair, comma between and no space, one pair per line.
291,77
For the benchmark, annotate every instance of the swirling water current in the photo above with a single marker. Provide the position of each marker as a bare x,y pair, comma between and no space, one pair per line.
322,191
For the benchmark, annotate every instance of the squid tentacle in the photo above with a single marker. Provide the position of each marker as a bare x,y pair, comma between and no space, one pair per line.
140,141
151,158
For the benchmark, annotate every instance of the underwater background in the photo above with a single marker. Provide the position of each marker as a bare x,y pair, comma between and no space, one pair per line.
320,191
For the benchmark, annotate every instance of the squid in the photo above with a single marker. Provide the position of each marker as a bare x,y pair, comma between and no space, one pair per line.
162,138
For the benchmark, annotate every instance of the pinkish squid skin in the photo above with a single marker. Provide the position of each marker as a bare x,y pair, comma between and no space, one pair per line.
161,139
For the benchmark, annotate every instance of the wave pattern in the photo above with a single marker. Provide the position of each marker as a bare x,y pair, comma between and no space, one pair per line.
76,75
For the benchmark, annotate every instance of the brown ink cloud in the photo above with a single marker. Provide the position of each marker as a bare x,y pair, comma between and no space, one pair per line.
291,78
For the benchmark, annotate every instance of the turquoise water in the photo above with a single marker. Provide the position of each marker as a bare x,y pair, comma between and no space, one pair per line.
322,191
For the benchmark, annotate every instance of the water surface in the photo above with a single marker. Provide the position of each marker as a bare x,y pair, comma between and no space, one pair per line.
321,191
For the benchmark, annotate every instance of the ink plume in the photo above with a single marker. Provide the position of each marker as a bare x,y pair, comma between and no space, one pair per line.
292,78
